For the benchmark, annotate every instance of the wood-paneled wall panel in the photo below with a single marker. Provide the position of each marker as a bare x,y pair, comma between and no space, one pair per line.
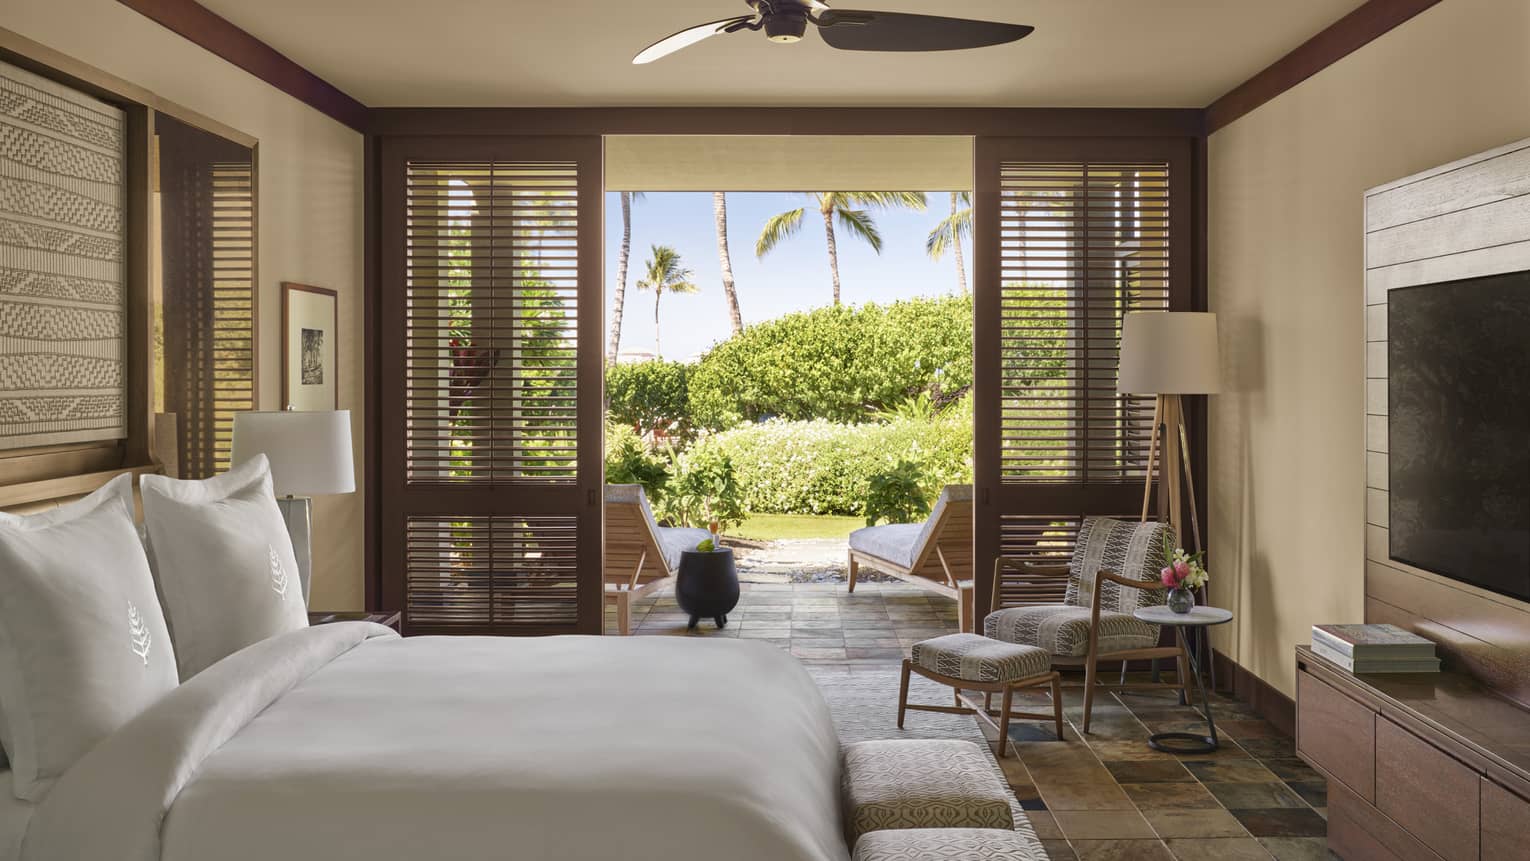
1466,219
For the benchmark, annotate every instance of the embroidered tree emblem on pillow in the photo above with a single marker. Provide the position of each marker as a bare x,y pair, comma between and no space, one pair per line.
138,633
278,574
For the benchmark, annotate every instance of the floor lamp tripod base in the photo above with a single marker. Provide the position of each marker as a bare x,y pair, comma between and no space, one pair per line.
1169,451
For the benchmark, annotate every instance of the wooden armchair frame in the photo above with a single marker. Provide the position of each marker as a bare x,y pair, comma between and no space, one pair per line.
1042,582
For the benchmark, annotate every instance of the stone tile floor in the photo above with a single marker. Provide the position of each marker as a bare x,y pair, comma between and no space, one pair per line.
817,622
1106,795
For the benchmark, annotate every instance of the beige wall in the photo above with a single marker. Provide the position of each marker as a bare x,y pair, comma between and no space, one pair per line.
310,211
1287,468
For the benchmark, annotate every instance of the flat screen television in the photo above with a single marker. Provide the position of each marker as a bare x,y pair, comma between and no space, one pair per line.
1458,357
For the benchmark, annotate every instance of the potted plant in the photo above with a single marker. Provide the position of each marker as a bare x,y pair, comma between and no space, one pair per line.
1184,573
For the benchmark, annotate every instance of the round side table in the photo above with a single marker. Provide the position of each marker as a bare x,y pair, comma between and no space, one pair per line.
1199,617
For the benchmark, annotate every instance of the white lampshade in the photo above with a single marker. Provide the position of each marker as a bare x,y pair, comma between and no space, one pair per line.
310,452
1169,353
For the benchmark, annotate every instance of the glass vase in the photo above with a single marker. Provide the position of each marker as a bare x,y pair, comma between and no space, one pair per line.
1181,600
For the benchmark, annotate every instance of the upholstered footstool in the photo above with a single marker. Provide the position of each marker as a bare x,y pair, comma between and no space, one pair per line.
972,662
955,844
922,784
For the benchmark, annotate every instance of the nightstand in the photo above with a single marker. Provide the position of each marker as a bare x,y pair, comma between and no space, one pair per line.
387,618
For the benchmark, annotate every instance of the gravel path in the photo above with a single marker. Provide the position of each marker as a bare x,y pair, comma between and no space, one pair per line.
813,560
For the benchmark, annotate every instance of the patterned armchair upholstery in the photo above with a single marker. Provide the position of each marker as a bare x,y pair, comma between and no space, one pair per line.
1132,550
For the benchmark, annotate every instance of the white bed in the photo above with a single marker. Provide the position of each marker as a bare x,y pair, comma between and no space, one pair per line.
14,816
345,741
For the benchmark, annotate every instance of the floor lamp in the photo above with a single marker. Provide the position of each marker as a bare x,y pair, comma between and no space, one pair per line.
1170,354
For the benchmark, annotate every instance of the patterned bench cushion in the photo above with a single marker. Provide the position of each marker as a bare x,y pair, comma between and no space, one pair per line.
979,659
956,844
922,784
1064,630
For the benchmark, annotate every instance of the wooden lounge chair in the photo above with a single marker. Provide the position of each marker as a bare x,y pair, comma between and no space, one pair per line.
641,555
935,554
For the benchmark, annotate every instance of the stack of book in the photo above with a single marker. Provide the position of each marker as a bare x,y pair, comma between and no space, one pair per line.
1374,649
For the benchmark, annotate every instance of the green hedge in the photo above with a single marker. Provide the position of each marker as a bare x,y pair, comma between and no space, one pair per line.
838,363
649,396
823,467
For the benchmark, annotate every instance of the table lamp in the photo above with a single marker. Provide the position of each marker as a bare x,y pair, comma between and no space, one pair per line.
310,455
1170,354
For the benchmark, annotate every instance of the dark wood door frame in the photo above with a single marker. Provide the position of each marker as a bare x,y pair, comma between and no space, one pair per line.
387,372
994,497
1130,128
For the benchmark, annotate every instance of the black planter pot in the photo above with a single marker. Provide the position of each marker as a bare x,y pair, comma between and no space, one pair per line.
707,586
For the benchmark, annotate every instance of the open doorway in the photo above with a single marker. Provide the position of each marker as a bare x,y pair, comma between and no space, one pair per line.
790,366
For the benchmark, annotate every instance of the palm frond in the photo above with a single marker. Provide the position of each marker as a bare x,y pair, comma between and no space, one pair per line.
952,229
665,274
860,223
883,199
777,229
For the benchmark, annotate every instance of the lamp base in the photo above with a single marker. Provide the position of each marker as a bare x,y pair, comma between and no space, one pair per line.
297,511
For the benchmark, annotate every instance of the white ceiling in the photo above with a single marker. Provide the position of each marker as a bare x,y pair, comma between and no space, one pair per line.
570,53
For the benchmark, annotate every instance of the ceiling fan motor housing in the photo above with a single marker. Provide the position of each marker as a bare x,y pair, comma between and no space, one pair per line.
786,27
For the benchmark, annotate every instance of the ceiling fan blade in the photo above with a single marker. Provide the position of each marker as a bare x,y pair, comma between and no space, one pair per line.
857,30
685,38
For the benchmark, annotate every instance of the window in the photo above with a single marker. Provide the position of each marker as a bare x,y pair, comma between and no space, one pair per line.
205,330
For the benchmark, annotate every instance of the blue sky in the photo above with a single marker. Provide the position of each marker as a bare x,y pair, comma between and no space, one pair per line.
794,277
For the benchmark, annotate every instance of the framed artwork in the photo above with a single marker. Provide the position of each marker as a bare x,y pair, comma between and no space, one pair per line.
310,330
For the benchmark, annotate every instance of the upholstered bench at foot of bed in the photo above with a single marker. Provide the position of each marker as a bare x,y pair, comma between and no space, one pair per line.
899,784
948,844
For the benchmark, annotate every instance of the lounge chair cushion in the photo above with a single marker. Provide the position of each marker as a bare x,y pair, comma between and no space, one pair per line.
957,844
975,658
673,539
899,543
1064,631
894,542
922,784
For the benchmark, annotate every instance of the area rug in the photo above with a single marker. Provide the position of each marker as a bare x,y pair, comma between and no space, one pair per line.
864,704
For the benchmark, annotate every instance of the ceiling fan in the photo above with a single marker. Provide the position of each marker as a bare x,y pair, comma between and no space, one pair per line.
786,21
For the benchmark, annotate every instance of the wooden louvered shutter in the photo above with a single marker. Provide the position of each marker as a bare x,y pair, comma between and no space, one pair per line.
491,437
207,253
1071,236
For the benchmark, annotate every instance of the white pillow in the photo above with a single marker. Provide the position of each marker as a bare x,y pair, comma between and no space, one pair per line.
83,643
223,561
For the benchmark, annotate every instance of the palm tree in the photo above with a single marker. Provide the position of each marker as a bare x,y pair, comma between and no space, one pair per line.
839,204
720,212
951,232
621,275
665,275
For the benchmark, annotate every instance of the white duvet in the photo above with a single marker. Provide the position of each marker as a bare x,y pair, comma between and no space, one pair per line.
344,741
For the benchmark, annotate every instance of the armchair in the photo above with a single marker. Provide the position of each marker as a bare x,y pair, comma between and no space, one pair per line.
1114,570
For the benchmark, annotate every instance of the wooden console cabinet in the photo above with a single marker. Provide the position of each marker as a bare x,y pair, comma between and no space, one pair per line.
1426,767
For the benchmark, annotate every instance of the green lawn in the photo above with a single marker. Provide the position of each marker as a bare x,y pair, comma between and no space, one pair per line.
770,527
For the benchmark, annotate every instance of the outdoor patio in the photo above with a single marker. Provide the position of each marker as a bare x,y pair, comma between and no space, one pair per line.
817,622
